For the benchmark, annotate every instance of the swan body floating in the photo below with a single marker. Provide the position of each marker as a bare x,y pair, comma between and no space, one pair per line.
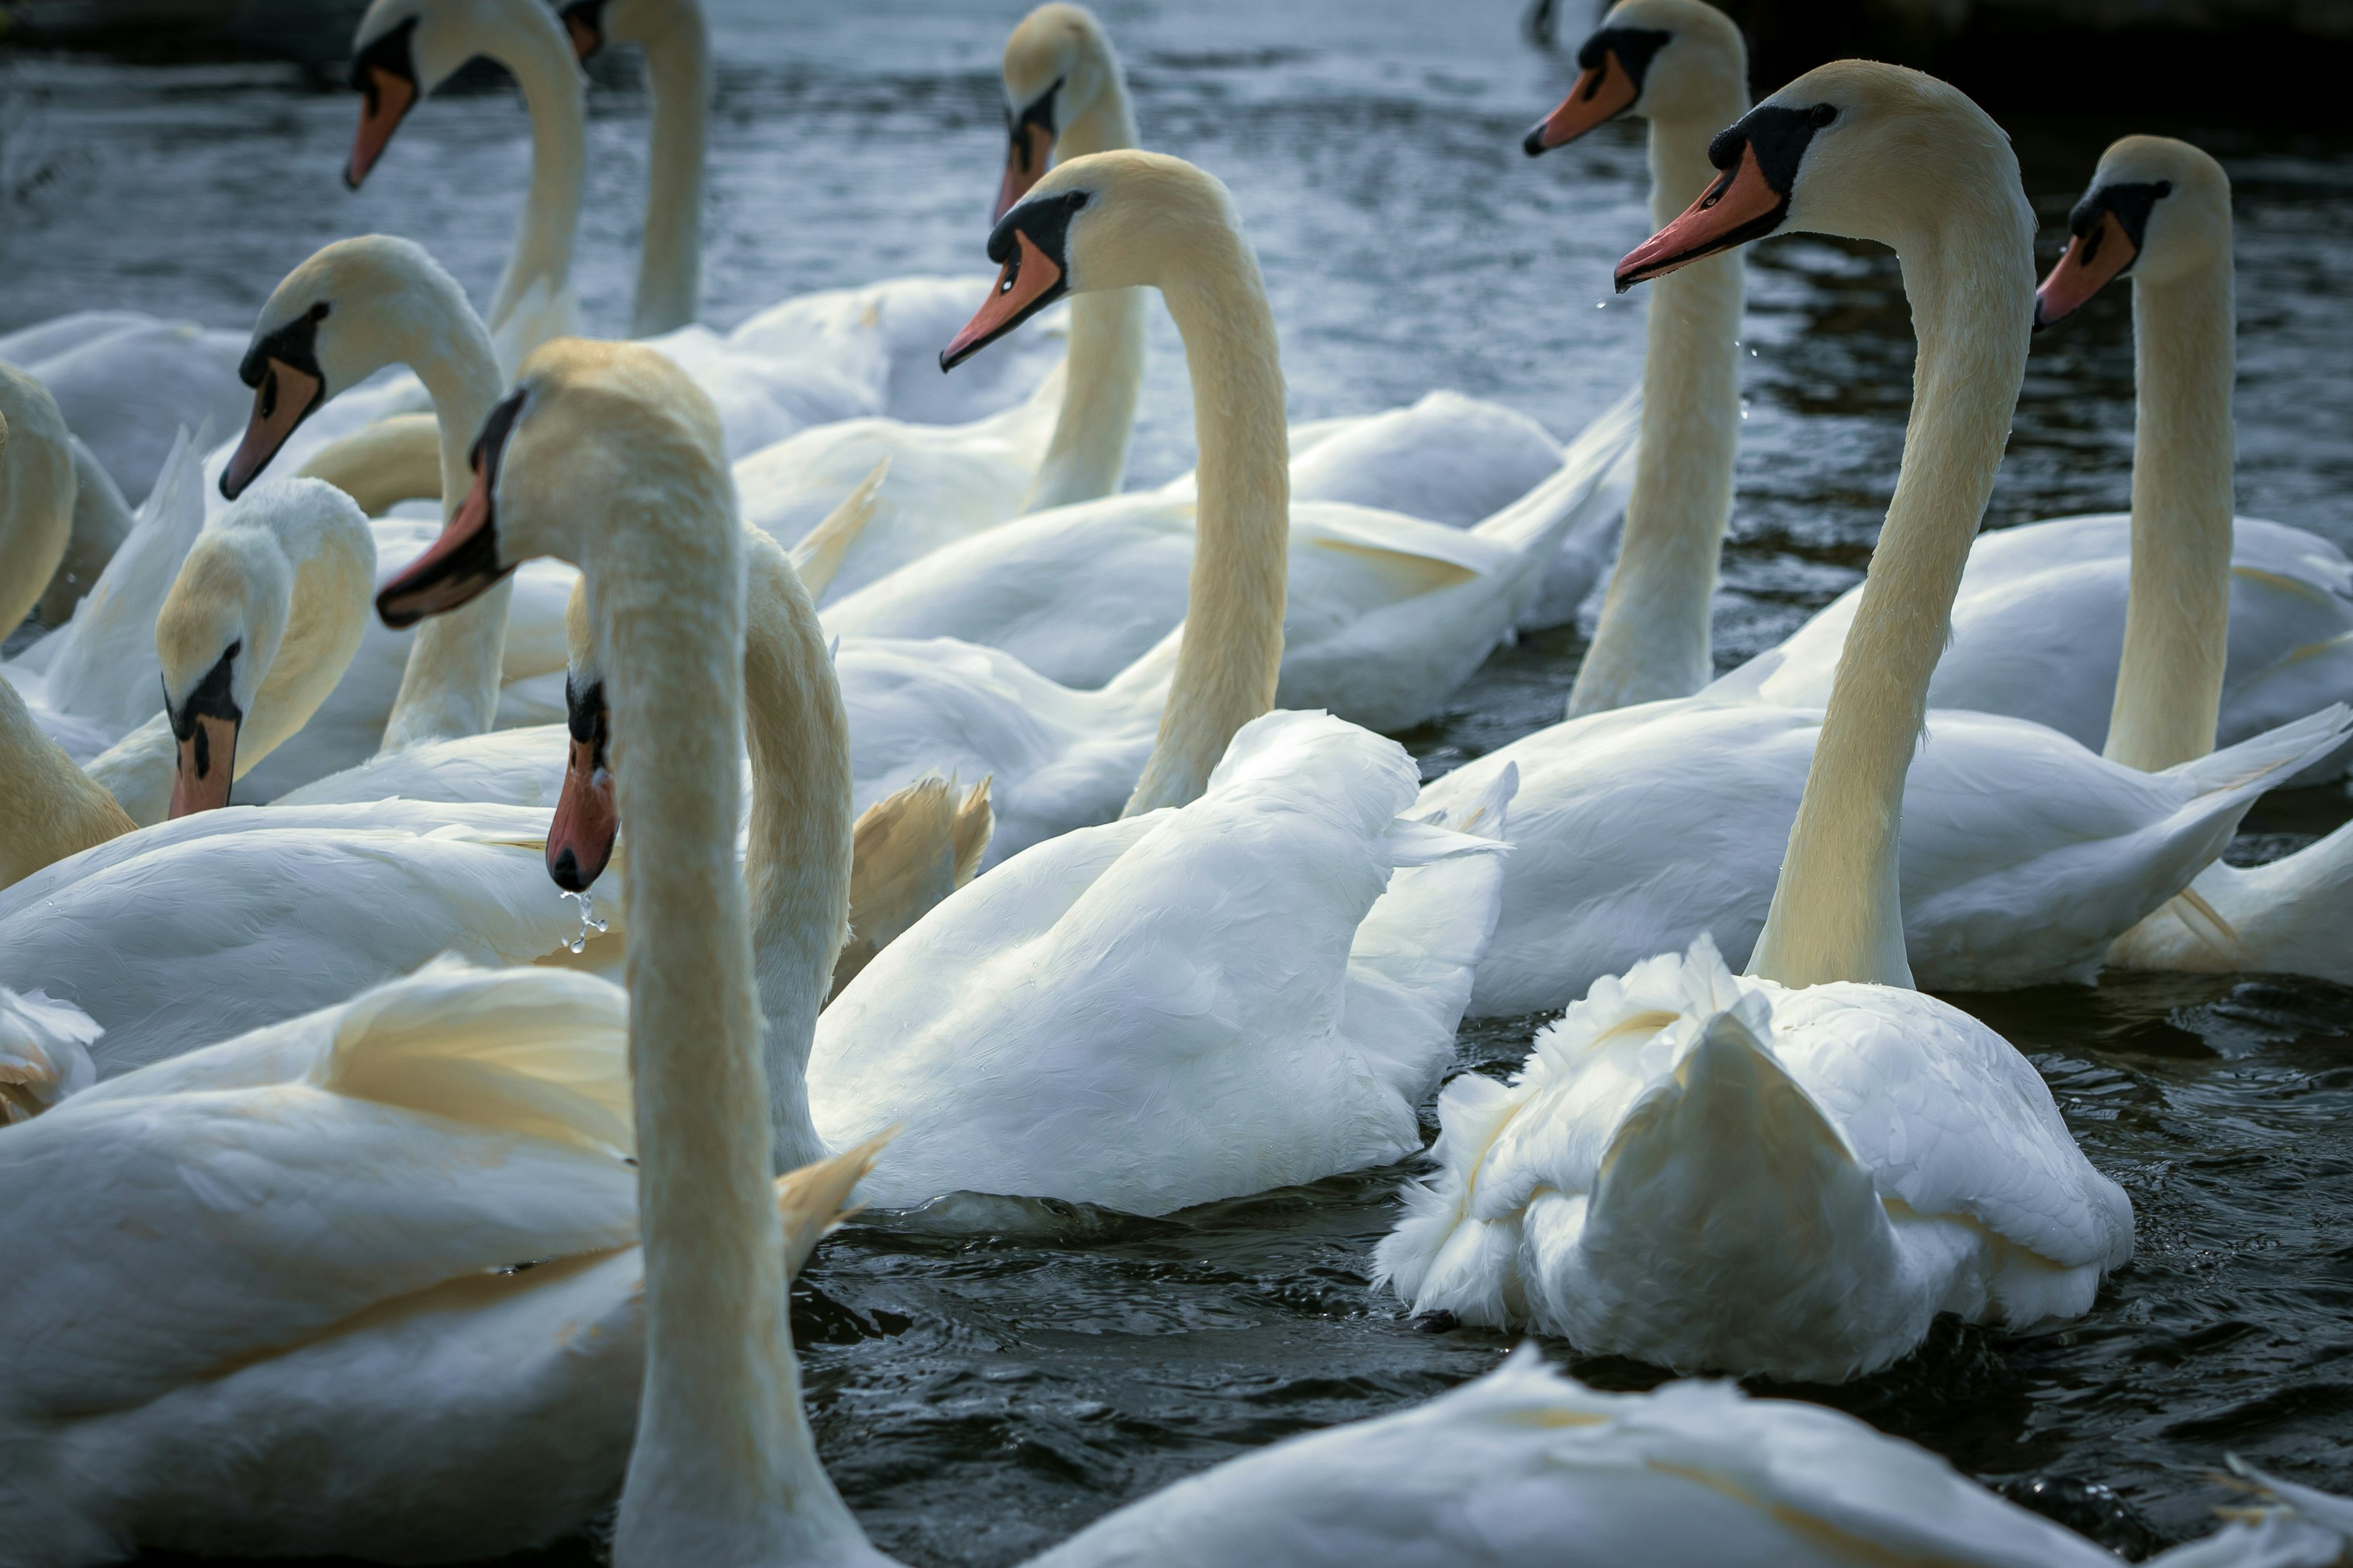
124,382
2025,854
1792,1171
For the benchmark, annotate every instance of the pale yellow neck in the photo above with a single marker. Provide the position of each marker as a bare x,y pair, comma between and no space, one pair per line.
553,91
1088,455
1652,640
2177,619
669,264
723,1469
450,687
1837,909
49,807
798,862
36,494
1232,649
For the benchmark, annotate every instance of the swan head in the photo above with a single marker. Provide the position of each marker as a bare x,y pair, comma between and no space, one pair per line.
402,49
1653,60
1059,64
593,433
2157,208
585,23
330,324
1109,220
266,610
1856,149
587,818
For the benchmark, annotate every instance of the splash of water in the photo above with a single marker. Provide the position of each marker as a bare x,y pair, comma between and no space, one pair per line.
589,925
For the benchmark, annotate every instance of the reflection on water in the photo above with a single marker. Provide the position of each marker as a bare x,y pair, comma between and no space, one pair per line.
979,1398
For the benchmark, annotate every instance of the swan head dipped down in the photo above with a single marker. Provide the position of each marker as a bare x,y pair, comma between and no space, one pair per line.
350,310
267,609
1652,59
1059,67
611,430
1822,156
1110,220
2157,208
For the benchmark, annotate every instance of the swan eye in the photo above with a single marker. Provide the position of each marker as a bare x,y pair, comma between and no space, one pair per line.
1823,114
2165,187
1075,200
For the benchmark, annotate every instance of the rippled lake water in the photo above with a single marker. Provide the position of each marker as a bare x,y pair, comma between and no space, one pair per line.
979,1398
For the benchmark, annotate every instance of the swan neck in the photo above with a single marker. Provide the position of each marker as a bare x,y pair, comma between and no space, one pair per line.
798,862
2177,617
1652,640
1837,913
49,807
1231,653
450,687
1087,457
723,1469
669,264
552,94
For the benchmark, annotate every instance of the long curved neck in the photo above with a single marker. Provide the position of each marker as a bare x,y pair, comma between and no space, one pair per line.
1232,648
798,859
49,807
1652,640
2177,619
1836,911
553,92
1088,455
450,687
669,264
723,1469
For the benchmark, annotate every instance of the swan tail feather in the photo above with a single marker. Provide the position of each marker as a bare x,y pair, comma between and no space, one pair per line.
2265,761
975,825
909,852
819,555
814,1201
1535,525
539,1053
1732,1226
44,1053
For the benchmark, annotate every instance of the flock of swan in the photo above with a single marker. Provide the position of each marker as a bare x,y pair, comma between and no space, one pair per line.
407,1165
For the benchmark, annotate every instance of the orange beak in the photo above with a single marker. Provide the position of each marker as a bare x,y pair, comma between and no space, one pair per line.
1025,164
2092,259
454,568
284,398
207,760
580,839
389,96
1740,206
1602,93
1029,283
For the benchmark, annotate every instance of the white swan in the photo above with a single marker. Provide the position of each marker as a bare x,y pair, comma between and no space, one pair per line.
723,1468
1680,65
1386,616
351,310
125,380
37,507
1793,1172
2024,854
2250,614
812,360
1265,891
2235,643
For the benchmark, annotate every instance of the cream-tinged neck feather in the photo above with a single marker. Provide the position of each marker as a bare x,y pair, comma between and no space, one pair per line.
1086,457
1157,220
2185,346
49,807
798,862
389,303
677,42
1652,640
1943,189
36,493
525,36
618,463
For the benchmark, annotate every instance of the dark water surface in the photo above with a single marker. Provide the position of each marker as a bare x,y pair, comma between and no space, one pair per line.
980,1398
